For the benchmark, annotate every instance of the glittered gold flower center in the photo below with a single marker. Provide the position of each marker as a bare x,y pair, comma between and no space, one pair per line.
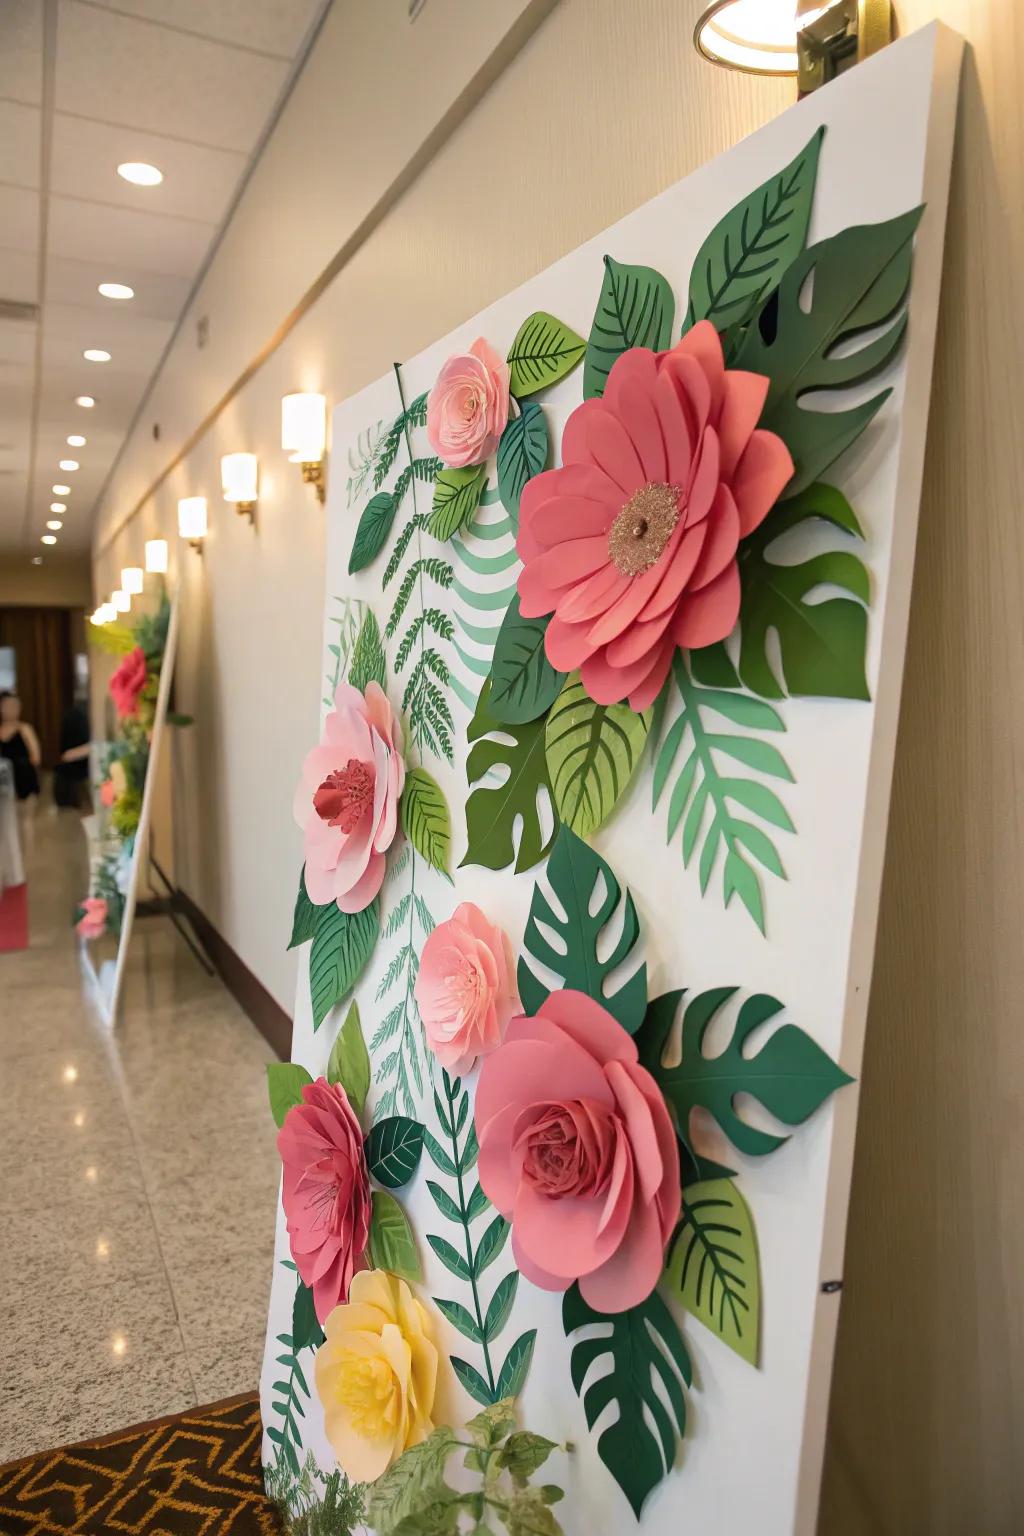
639,534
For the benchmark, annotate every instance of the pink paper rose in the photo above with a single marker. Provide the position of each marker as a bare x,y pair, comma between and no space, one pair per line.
325,1191
632,543
465,989
127,684
578,1151
467,409
108,794
93,921
347,799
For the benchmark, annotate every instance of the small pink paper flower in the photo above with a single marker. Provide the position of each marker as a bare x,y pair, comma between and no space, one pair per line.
578,1151
127,684
347,799
325,1191
465,989
632,543
108,794
93,921
467,409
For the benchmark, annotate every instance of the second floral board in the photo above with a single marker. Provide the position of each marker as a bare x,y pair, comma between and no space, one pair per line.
592,831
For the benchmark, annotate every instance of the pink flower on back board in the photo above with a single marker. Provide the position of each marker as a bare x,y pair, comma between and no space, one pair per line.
632,543
108,794
578,1151
128,682
467,409
325,1191
93,921
347,799
465,989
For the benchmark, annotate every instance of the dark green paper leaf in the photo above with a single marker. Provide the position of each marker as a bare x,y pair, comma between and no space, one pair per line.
368,663
456,497
491,1244
342,944
393,1150
501,1305
593,752
285,1082
450,1257
460,1318
574,871
635,309
524,684
493,811
544,351
306,1330
349,1061
374,527
513,1374
425,819
472,1380
522,453
392,1245
304,920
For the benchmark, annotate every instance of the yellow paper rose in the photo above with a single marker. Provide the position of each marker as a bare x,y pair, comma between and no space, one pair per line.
117,778
376,1373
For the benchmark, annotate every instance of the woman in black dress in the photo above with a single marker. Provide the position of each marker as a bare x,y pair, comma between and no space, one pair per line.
20,745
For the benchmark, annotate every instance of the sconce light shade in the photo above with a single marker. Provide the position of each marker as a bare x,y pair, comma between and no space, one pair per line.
121,601
156,557
239,477
192,518
109,613
304,427
756,36
132,578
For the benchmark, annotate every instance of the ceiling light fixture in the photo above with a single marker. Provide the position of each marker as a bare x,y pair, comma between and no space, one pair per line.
55,523
239,477
85,401
156,556
140,174
58,506
61,490
116,291
68,465
96,355
76,440
304,436
48,538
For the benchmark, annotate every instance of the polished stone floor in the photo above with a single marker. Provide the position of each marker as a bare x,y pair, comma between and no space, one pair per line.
138,1179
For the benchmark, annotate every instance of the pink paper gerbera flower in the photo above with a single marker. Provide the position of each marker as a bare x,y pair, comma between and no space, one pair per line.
127,684
632,543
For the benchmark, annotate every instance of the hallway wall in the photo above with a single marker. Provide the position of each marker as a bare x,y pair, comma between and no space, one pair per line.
929,1381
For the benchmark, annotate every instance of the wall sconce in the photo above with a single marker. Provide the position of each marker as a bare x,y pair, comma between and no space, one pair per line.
304,436
120,601
156,557
106,613
239,478
192,520
132,579
806,38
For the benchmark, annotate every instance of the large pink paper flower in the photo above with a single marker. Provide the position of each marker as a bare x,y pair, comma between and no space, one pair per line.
467,409
577,1149
631,544
465,989
325,1191
127,684
347,799
93,921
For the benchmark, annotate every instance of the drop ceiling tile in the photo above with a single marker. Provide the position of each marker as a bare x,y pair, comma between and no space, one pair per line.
18,276
19,219
135,344
119,70
19,143
198,183
21,50
84,231
17,342
158,295
273,26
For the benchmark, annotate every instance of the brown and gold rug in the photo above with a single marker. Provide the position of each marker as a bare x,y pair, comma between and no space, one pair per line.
196,1474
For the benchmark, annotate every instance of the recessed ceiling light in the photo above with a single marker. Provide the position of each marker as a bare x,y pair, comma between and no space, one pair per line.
68,464
76,440
58,506
37,559
48,538
55,523
116,291
85,401
61,490
96,355
140,174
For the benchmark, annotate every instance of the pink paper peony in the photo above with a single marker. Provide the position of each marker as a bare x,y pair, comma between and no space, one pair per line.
325,1191
127,684
577,1149
347,799
465,989
108,794
632,543
467,409
93,921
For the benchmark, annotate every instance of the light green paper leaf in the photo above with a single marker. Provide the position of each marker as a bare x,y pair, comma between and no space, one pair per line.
368,663
342,944
593,752
860,279
392,1246
349,1061
456,497
494,812
544,351
713,1268
425,819
575,872
524,684
635,309
393,1150
743,258
372,531
522,453
285,1082
304,919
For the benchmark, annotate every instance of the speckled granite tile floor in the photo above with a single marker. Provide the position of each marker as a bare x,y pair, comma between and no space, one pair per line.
138,1179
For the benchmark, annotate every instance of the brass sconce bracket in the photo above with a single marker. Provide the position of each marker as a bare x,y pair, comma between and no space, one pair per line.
313,474
838,37
197,545
246,509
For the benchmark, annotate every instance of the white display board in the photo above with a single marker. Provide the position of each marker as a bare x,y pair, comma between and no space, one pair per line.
751,1457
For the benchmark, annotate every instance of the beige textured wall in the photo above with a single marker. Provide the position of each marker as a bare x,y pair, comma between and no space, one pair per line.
926,1420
